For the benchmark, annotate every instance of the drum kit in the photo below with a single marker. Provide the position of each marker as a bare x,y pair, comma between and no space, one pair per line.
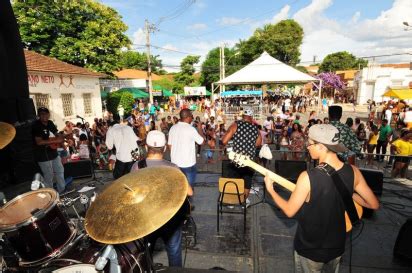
41,236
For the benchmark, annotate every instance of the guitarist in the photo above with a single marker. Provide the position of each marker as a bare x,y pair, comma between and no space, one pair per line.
320,236
45,153
171,232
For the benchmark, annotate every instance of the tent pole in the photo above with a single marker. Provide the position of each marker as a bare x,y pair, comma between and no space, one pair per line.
319,96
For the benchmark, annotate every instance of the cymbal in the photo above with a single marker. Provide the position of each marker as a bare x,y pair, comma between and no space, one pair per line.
136,204
7,133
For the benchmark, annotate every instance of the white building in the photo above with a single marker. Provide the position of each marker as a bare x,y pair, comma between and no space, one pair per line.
66,90
371,82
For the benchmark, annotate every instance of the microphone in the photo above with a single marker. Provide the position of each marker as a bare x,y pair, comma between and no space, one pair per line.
37,182
79,117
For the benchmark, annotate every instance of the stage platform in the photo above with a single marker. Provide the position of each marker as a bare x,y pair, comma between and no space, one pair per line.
267,244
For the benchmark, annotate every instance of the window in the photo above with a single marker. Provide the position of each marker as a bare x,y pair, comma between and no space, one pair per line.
67,101
87,102
41,100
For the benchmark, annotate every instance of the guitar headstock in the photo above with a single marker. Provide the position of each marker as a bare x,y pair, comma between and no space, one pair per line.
239,159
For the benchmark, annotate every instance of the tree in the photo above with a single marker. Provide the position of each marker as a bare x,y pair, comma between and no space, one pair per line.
187,69
114,99
81,32
211,66
331,80
137,60
282,41
342,60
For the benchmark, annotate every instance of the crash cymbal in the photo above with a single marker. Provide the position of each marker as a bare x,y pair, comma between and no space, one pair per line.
7,133
136,204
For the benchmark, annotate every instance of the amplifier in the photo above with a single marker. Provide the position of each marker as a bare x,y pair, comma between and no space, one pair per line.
78,169
403,244
374,179
290,169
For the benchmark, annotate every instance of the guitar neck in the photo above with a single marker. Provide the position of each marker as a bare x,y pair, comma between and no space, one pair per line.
277,178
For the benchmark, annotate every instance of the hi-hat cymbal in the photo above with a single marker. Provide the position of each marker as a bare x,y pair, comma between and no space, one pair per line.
136,204
7,133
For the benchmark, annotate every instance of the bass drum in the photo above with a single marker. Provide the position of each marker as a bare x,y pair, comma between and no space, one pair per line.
132,257
35,227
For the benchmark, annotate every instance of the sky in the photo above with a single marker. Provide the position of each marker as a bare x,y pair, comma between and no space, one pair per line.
364,28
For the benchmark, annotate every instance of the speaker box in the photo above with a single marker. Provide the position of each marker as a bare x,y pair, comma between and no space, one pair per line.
374,179
403,244
78,169
290,169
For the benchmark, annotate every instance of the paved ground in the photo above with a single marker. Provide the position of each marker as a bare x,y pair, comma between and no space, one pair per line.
266,246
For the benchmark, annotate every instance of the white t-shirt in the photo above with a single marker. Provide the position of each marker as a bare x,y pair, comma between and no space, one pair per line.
124,139
268,124
408,116
287,102
182,138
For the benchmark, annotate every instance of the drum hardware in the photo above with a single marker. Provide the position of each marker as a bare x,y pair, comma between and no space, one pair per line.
109,254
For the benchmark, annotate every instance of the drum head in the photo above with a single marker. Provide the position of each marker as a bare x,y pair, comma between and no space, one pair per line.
18,211
82,268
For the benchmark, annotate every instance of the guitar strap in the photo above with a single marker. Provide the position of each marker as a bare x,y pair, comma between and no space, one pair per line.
343,192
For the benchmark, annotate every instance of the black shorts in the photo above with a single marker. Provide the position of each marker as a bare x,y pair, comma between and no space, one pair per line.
232,171
402,159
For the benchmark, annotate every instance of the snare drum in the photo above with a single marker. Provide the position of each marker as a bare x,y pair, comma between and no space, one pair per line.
132,257
35,226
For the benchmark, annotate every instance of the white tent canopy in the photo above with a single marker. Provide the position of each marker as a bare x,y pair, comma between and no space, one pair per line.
267,69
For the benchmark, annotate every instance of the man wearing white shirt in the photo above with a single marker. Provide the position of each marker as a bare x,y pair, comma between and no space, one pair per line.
122,137
181,142
287,103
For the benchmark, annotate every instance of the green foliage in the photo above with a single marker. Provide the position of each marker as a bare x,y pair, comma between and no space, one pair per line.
301,69
81,32
187,69
282,41
114,99
169,84
137,60
126,100
210,67
342,60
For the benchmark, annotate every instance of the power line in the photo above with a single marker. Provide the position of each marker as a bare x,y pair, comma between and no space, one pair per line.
179,10
232,25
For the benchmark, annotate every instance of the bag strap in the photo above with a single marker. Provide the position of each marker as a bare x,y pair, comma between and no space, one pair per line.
343,191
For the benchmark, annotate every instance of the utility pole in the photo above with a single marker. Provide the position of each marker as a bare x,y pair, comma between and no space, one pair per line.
148,29
222,66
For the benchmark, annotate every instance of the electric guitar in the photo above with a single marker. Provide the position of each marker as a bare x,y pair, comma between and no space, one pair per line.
243,160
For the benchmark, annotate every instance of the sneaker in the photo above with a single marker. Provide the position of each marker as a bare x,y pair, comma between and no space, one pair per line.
230,207
247,202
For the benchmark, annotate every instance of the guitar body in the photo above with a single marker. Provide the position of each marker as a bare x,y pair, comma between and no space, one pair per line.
243,160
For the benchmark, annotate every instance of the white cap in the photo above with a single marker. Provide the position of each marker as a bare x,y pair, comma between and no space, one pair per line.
328,135
156,139
248,112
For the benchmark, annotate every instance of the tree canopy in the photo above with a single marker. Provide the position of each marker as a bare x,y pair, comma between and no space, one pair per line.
331,80
211,66
137,60
187,69
282,41
342,60
81,32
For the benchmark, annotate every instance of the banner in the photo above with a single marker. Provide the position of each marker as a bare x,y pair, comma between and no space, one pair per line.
195,91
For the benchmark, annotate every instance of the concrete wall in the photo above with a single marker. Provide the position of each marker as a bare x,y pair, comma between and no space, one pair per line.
372,82
55,85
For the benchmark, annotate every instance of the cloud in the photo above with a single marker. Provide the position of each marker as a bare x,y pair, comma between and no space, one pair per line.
362,37
228,21
139,37
355,17
198,26
170,47
283,14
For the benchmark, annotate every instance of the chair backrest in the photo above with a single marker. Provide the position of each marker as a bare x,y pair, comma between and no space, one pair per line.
231,190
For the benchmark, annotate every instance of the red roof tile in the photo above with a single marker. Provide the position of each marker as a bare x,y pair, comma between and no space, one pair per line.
41,63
